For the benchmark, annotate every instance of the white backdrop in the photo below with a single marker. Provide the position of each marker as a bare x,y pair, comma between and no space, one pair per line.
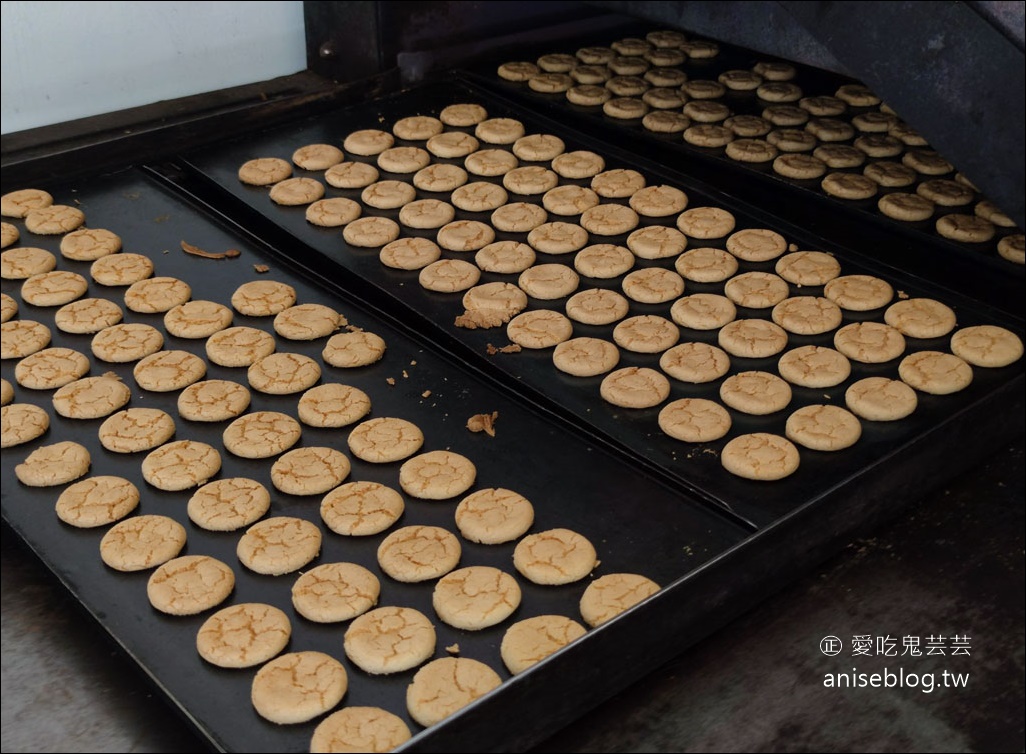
66,60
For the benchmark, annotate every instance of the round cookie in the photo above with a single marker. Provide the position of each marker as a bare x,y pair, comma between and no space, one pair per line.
991,212
812,268
353,349
418,553
360,509
695,362
946,193
823,427
801,167
264,171
279,545
294,192
490,162
859,293
167,371
440,177
603,261
494,516
548,281
608,220
333,405
756,244
310,471
335,592
597,306
646,333
333,213
97,501
890,174
6,392
317,156
298,686
619,183
807,315
779,91
181,465
756,290
530,180
54,288
91,397
10,308
22,337
935,372
957,227
756,393
491,305
283,373
24,262
437,475
142,542
830,129
752,338
814,367
190,584
635,387
405,159
653,285
126,342
518,217
880,399
54,220
479,196
51,368
791,140
568,200
555,556
476,597
447,685
1013,248
920,318
579,164
751,150
656,242
19,203
21,423
465,235
879,145
228,504
505,257
463,115
371,232
385,440
52,465
243,635
389,640
706,265
624,108
531,640
136,429
351,175
658,201
585,357
263,298
909,208
449,276
87,316
239,346
987,346
706,222
261,434
121,269
869,342
541,328
926,161
703,311
609,595
786,116
368,142
426,213
307,322
760,456
748,126
694,420
664,121
157,295
360,729
840,157
538,147
417,127
409,253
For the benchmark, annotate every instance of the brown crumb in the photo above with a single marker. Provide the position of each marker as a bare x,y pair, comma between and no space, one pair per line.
261,268
426,394
792,247
413,362
483,423
390,380
481,318
196,251
353,328
453,649
511,348
902,295
406,375
161,218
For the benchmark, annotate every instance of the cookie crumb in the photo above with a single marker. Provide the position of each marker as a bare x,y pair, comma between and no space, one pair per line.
483,423
902,295
426,394
511,348
390,380
453,649
406,375
353,328
261,268
481,318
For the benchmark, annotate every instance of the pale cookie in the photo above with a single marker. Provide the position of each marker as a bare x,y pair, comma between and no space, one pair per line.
1013,248
54,220
52,465
569,200
857,95
703,89
6,392
665,38
239,346
417,127
548,282
597,306
284,373
181,465
465,235
609,595
462,115
879,145
752,338
869,342
298,686
823,106
51,368
418,553
946,193
190,584
333,213
294,192
228,504
25,261
626,89
490,162
409,253
706,265
963,228
751,150
441,177
791,140
479,196
136,429
351,175
531,640
157,295
142,542
426,214
449,276
335,592
991,212
437,475
760,457
261,434
609,219
538,147
264,171
849,186
859,293
635,387
823,427
126,342
530,180
243,635
665,98
921,318
263,298
665,122
89,244
447,685
694,420
309,471
519,217
585,357
368,142
55,288
756,290
830,129
371,232
499,130
935,372
404,159
121,269
307,322
22,337
493,516
20,203
452,144
756,244
619,183
555,556
703,311
603,261
786,116
87,316
353,349
801,167
541,328
22,422
362,728
706,222
695,362
197,319
333,405
987,346
579,164
596,55
808,268
653,285
359,509
385,440
10,308
757,393
646,333
167,371
814,367
558,237
807,315
550,83
840,156
279,545
91,397
97,501
890,174
881,399
632,46
926,161
475,598
748,126
658,201
505,257
317,156
520,70
908,135
779,91
491,305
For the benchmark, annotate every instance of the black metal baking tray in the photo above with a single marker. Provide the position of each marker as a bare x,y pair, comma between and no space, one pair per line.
571,482
634,432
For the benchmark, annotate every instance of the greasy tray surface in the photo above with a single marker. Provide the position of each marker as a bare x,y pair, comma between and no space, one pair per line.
635,430
571,483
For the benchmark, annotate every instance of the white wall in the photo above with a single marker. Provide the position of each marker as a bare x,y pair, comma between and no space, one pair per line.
66,60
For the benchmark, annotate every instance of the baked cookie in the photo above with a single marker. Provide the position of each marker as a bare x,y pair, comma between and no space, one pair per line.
307,322
646,333
505,257
54,288
426,214
756,290
22,337
309,471
957,227
635,387
539,147
91,397
493,516
558,237
624,108
491,305
465,235
89,244
786,116
409,253
263,298
760,456
609,219
530,180
619,183
228,504
132,430
946,193
926,162
1013,248
665,121
190,584
335,592
279,545
243,635
10,308
555,556
121,269
579,164
353,349
181,465
351,175
752,338
450,145
518,217
463,115
569,200
849,186
987,346
261,434
499,130
706,222
361,728
706,265
476,597
585,357
880,399
814,367
920,318
603,261
239,346
890,174
264,171
283,373
756,244
167,371
653,285
21,423
157,295
859,293
879,145
97,501
389,640
541,328
52,465
370,232
293,192
385,440
694,420
597,306
298,686
811,268
801,167
548,281
437,475
417,127
695,362
869,342
6,392
440,177
333,213
609,595
529,641
823,427
19,203
359,509
142,542
368,142
519,70
757,393
418,553
317,156
54,220
447,685
840,157
333,405
751,150
807,315
51,368
935,372
449,276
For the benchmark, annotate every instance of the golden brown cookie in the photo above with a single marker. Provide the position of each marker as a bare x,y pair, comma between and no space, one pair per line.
353,349
167,371
695,362
754,392
333,405
426,213
807,315
957,227
417,127
920,318
418,553
361,508
849,186
665,121
869,342
263,298
530,180
814,366
706,222
91,397
579,164
823,427
786,116
756,290
22,422
859,293
706,265
603,261
367,142
279,545
298,686
760,456
451,145
905,207
22,337
493,516
89,244
447,685
653,285
694,420
555,556
890,174
387,194
656,242
541,328
791,140
181,465
703,311
157,295
54,288
385,440
635,387
799,166
597,306
1013,248
87,316
881,399
531,640
332,213
752,338
335,592
808,268
585,357
361,728
284,373
437,475
243,635
506,257
51,368
309,471
228,504
239,346
317,156
987,346
839,157
293,192
548,281
646,333
609,595
20,203
142,542
389,640
6,392
479,196
409,253
492,305
264,171
54,220
10,308
476,597
136,429
52,465
935,372
465,235
518,217
97,501
756,244
926,162
121,269
261,434
190,584
371,232
351,175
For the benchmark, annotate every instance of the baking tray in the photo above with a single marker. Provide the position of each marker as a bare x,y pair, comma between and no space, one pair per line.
212,175
571,482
